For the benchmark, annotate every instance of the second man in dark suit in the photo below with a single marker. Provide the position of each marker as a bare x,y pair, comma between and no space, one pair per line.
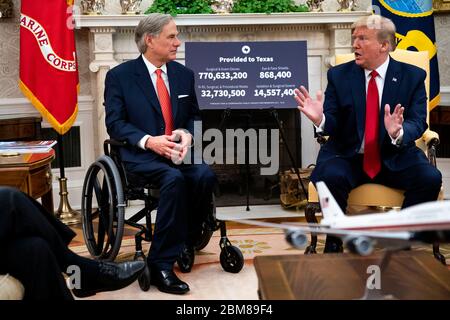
374,110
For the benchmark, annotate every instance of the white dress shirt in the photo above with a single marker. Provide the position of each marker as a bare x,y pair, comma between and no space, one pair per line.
152,72
381,70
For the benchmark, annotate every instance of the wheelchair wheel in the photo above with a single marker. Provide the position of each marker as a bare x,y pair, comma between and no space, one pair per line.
208,227
231,259
204,237
102,209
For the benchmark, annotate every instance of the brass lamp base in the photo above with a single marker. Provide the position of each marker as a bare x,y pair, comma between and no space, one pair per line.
65,213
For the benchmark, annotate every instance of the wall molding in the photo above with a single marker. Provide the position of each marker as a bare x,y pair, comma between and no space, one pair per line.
445,96
182,20
21,107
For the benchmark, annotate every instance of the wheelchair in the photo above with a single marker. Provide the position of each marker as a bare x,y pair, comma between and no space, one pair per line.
107,190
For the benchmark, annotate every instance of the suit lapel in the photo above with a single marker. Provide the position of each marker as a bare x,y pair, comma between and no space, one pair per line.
145,83
390,91
359,98
173,84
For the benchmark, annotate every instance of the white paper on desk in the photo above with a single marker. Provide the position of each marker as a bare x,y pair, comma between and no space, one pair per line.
38,146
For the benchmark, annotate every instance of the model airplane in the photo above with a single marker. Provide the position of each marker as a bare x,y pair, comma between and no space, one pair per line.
427,222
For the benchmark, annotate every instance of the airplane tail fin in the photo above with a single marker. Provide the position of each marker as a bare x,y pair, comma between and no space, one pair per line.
329,206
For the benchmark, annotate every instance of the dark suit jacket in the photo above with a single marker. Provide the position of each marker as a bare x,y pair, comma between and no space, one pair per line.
345,108
133,110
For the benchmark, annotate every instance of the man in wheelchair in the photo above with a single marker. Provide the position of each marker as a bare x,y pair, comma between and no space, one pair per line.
151,105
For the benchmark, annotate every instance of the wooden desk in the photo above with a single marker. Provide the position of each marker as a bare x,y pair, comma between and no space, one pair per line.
30,173
410,275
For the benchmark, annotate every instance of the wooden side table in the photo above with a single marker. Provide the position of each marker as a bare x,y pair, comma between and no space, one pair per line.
30,173
410,275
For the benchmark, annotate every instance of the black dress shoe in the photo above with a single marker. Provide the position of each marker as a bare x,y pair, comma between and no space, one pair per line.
167,281
333,245
111,276
186,259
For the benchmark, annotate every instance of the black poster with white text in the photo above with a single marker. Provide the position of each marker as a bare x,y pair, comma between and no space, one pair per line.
247,75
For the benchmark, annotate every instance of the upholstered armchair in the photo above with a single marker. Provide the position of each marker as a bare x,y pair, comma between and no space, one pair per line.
10,288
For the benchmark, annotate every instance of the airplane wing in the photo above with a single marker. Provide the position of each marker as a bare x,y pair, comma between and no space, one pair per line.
361,242
320,229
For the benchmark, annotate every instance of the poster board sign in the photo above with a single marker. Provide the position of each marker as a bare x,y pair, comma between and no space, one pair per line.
247,75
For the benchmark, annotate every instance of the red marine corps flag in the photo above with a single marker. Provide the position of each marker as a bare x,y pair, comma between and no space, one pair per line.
48,64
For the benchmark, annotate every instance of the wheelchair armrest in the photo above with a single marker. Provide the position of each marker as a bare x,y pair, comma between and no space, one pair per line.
113,143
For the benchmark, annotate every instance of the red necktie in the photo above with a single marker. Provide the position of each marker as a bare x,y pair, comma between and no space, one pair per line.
372,164
164,101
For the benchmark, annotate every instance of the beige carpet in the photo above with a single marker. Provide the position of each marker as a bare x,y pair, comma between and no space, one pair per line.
207,280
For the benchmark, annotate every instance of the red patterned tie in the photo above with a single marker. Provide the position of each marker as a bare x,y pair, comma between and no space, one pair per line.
164,101
372,164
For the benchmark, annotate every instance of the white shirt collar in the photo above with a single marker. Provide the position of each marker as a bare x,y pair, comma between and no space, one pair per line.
381,70
151,67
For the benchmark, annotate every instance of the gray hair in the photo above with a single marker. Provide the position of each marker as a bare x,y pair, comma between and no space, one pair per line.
151,25
384,26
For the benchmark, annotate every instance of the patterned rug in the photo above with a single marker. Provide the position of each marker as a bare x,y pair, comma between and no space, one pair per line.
251,242
208,280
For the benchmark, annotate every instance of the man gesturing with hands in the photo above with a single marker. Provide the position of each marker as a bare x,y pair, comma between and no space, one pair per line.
373,110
